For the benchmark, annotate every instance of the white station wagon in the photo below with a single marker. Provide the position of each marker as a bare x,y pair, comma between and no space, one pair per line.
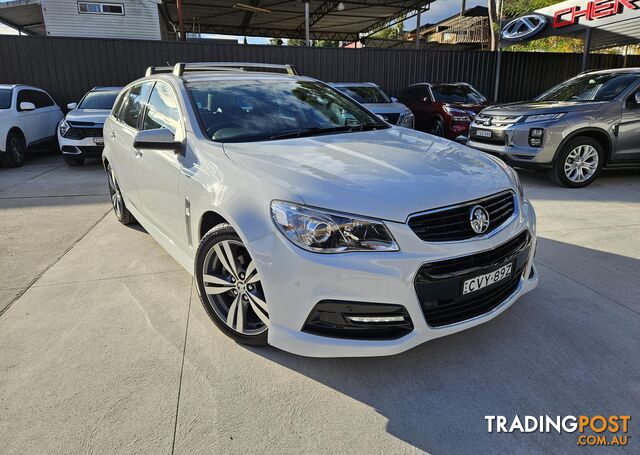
308,222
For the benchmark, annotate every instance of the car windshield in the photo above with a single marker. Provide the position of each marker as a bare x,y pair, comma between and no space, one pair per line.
454,93
601,87
255,110
364,94
5,98
98,100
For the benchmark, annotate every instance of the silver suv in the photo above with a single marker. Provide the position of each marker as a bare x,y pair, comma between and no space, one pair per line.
574,129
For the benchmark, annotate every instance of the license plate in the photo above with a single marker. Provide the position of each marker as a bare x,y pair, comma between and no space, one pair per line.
482,281
98,141
483,133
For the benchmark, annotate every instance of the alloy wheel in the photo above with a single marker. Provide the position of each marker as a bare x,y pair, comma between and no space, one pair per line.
233,288
116,194
16,149
581,163
437,129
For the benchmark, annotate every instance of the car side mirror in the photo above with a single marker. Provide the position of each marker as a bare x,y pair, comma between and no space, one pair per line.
72,106
27,106
394,99
157,139
637,99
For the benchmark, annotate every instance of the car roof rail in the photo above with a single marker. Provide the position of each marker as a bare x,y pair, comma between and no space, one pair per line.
180,68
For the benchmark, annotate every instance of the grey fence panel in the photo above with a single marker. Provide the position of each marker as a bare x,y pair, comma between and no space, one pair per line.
68,67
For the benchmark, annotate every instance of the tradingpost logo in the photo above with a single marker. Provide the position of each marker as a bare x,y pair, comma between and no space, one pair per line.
595,430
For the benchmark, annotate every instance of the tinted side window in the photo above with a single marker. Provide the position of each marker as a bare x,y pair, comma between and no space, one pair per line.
162,109
41,99
133,105
24,96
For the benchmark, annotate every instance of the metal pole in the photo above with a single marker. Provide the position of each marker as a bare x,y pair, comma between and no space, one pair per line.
496,87
418,28
307,41
625,52
180,20
587,47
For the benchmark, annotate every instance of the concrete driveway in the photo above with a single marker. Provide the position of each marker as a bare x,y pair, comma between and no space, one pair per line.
105,347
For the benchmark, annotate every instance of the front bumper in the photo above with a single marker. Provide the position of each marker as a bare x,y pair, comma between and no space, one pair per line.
511,142
88,147
294,281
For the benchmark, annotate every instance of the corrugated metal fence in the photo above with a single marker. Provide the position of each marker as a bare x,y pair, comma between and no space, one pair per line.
68,67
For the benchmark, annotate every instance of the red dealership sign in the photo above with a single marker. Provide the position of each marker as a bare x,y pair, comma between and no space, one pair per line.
594,9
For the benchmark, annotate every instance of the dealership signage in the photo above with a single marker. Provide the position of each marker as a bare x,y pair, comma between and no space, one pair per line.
569,16
592,11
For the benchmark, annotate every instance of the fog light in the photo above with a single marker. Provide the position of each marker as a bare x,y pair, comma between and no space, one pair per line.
369,319
536,137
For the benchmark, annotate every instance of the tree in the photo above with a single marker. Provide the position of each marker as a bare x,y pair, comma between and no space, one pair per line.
395,31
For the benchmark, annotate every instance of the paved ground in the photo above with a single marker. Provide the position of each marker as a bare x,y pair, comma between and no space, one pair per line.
108,350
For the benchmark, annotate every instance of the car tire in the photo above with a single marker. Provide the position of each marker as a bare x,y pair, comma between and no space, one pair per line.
16,150
229,287
117,200
71,161
437,128
578,163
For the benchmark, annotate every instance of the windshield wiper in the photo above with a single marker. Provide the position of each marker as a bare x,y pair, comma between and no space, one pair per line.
315,131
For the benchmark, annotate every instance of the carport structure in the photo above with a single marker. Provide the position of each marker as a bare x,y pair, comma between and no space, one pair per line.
330,20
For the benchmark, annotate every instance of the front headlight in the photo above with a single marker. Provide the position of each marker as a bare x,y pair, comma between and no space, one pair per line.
516,179
325,232
543,117
458,115
64,127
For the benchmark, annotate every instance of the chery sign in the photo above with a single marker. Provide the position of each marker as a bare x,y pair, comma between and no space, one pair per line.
591,11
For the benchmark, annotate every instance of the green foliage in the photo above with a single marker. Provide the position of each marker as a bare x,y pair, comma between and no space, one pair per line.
394,32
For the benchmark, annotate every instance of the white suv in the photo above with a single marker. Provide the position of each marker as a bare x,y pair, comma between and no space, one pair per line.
28,117
308,222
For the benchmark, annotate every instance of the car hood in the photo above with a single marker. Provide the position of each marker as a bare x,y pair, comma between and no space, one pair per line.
96,116
541,107
386,174
386,108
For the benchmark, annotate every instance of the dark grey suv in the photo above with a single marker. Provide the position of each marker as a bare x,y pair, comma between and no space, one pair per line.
574,129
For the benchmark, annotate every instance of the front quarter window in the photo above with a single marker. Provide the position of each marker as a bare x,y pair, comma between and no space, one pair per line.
162,109
257,110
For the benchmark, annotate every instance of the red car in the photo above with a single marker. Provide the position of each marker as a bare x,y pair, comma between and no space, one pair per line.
444,110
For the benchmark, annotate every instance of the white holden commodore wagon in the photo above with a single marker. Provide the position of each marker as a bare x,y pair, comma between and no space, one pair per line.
308,222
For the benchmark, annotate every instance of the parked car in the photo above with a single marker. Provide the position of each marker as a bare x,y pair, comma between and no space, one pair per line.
444,110
28,117
80,133
574,130
308,222
377,101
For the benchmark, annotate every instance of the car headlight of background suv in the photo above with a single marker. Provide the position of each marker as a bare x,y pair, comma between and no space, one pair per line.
325,232
64,127
458,115
406,119
543,117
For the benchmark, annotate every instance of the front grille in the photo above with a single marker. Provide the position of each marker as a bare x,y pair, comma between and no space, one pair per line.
82,133
439,284
452,223
473,262
391,118
450,311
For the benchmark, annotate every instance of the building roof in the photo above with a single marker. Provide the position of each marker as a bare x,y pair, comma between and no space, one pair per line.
476,11
23,15
285,18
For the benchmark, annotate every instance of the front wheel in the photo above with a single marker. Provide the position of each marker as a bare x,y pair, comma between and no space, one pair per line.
230,288
16,150
578,163
437,128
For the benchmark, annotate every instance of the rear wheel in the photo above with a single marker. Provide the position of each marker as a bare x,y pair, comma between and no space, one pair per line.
229,287
16,150
71,161
578,163
117,201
